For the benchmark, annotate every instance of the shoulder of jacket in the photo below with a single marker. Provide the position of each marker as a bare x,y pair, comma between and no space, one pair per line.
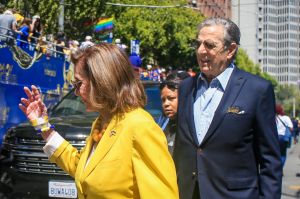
250,75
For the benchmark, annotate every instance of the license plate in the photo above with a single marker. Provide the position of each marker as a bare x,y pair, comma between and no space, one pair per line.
62,189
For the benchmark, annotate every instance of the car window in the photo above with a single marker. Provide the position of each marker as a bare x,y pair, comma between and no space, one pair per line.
72,105
69,105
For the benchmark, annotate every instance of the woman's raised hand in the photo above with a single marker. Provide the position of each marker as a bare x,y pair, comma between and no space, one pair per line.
33,107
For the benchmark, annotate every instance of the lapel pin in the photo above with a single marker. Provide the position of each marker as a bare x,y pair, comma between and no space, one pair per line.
112,133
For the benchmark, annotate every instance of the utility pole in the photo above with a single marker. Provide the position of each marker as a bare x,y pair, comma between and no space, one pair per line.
239,6
61,15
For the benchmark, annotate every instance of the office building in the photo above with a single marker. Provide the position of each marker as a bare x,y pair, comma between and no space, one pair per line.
213,8
271,35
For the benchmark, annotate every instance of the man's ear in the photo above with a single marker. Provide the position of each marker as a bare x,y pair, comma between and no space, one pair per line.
231,50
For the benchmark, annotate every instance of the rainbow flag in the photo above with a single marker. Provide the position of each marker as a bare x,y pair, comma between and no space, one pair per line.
104,24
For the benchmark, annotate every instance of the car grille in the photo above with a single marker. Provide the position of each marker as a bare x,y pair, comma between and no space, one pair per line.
30,158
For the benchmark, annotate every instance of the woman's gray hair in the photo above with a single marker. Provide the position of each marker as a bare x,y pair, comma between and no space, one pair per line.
231,30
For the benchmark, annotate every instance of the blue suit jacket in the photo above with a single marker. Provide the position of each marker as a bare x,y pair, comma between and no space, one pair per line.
239,156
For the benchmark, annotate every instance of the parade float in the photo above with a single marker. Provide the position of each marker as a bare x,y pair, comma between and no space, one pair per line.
26,66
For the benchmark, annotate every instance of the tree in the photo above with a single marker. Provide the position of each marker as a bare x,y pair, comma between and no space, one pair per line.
245,63
79,14
165,34
285,95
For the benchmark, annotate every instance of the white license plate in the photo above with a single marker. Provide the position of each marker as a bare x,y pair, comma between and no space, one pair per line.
62,189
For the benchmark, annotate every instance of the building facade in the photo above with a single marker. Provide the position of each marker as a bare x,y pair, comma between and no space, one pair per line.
270,32
213,8
244,14
280,53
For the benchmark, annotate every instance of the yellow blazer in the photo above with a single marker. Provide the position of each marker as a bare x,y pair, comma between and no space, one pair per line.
130,161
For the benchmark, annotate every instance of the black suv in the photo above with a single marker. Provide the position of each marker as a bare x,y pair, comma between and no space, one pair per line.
26,171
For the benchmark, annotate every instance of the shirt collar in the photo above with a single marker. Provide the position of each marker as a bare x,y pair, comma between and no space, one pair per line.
222,78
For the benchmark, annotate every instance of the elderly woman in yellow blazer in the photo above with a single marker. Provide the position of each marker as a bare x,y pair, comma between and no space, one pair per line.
126,154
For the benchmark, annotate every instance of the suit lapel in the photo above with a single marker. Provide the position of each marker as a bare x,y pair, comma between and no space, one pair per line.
232,90
109,137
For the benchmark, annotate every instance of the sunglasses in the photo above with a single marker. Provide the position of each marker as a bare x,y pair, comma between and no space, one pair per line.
169,84
76,84
208,44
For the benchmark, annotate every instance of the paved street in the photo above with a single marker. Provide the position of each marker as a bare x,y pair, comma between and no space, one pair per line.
291,183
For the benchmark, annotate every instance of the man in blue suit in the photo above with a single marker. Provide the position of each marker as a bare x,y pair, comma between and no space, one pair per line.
227,145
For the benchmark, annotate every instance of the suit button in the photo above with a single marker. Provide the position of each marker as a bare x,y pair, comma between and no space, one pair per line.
193,174
199,150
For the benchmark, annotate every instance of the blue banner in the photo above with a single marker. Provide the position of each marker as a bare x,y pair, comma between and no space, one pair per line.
21,67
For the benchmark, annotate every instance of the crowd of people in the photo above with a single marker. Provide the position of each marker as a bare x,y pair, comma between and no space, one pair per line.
25,30
221,126
27,33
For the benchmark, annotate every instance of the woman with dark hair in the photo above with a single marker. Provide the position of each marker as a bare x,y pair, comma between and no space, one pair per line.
282,122
35,29
169,97
126,155
22,37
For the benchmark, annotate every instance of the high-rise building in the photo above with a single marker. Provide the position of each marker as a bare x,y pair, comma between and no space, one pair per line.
213,8
244,14
281,39
270,32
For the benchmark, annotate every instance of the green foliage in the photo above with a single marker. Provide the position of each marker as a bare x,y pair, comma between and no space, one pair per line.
165,34
77,13
285,95
81,15
244,62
